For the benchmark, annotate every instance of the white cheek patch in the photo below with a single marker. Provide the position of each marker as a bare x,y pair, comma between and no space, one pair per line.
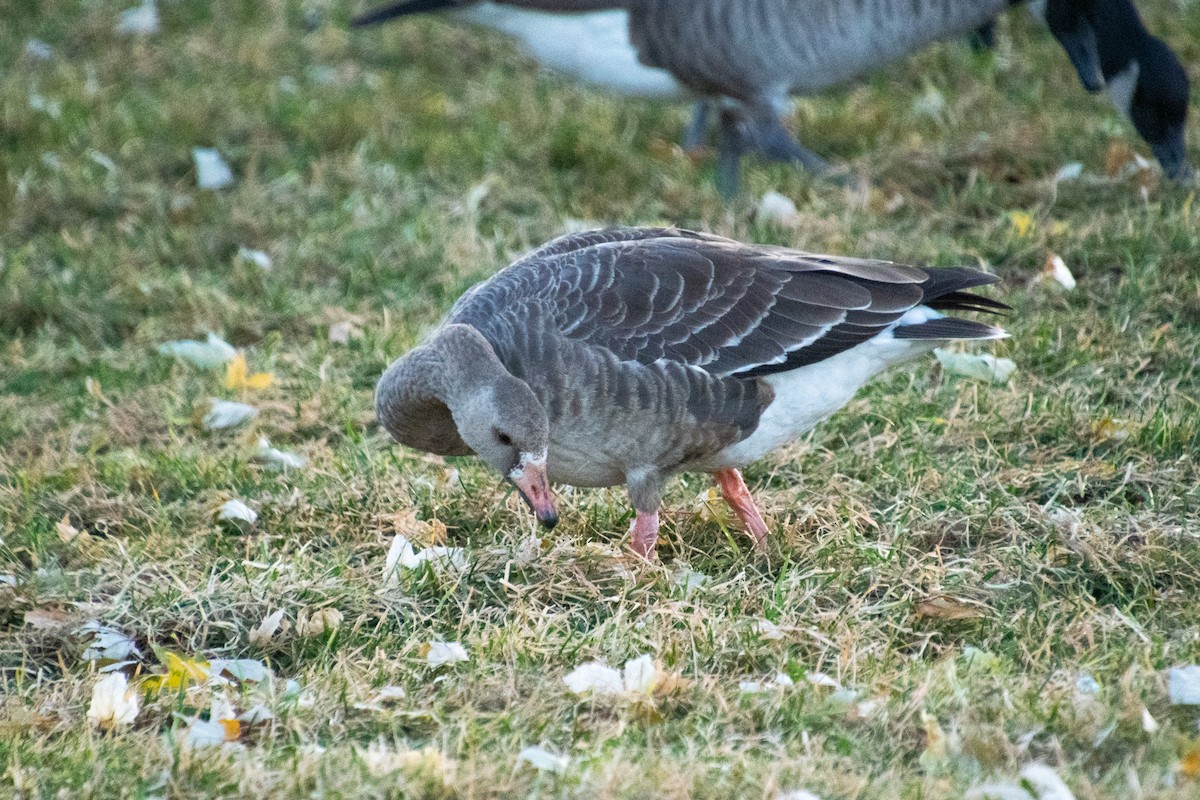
1120,87
536,460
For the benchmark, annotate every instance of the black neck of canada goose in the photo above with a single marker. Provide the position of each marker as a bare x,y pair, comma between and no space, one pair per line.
1145,81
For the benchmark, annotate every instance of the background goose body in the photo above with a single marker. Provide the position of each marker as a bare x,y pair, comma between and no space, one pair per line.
750,56
649,352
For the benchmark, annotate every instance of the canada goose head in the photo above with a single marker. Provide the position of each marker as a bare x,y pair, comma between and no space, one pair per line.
1158,105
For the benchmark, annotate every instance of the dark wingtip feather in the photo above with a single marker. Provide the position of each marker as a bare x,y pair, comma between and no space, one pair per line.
946,290
402,8
949,328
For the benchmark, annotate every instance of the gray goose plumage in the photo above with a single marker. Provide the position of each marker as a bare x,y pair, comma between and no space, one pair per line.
625,356
750,56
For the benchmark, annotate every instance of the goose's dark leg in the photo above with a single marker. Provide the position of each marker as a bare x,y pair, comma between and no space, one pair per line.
697,129
762,132
771,140
734,143
734,490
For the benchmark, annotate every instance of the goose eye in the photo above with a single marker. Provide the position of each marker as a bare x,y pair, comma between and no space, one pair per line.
503,438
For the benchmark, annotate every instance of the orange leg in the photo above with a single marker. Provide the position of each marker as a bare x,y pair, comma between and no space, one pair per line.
643,534
734,490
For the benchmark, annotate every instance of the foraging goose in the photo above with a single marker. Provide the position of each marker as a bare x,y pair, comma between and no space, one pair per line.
626,356
751,55
1141,75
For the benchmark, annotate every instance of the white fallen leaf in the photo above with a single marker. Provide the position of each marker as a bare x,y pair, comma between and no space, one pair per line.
261,635
594,678
38,50
781,681
1057,270
796,794
776,208
689,579
768,630
140,20
640,675
343,332
1183,685
240,669
221,708
543,760
821,679
212,352
256,715
998,791
1046,783
931,104
1149,723
399,552
441,653
320,623
278,459
224,414
402,554
114,705
979,366
238,513
212,172
105,643
390,694
256,257
204,733
1069,171
1086,684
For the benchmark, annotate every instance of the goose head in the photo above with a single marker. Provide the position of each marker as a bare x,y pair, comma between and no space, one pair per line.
1158,106
506,426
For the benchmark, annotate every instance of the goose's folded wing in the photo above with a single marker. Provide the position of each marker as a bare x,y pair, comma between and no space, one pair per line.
716,304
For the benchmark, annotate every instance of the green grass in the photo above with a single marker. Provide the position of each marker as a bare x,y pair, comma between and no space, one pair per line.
358,155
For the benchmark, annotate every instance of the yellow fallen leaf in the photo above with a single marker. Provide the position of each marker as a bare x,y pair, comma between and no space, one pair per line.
1189,765
233,729
1022,222
1118,156
238,377
1108,429
181,673
66,531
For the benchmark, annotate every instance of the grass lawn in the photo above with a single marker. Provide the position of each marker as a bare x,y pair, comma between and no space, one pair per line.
965,578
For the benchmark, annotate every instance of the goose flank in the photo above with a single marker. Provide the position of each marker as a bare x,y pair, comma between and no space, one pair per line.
627,356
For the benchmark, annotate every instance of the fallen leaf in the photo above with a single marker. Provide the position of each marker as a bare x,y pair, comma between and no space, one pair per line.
543,760
402,554
237,376
212,352
767,630
1183,685
212,171
979,366
256,257
240,669
1108,429
1149,723
775,208
821,679
38,50
931,104
688,579
205,733
594,678
1057,270
1189,764
1022,223
1045,783
949,608
343,332
321,622
796,794
781,681
105,643
238,513
1068,172
181,673
47,619
139,21
223,414
114,705
640,675
66,531
271,624
438,654
278,459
